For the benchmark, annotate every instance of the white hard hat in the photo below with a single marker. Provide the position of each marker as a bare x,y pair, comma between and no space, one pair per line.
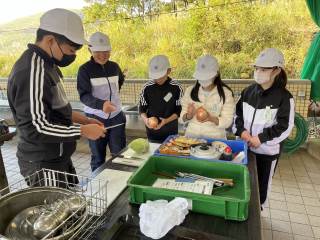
207,67
99,42
270,57
63,22
158,66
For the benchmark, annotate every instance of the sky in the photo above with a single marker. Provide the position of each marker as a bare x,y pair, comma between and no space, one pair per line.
13,9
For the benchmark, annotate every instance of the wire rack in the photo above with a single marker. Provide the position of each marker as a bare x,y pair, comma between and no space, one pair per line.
89,233
89,212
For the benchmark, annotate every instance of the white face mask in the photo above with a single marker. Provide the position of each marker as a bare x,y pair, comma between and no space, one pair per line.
205,83
261,77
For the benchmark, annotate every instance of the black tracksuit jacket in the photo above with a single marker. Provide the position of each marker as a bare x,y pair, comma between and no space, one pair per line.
40,108
161,101
268,114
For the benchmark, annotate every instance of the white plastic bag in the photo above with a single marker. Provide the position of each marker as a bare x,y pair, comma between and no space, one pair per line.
158,217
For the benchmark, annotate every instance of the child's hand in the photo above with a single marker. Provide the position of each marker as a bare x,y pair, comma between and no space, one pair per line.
108,107
245,135
191,111
161,124
254,142
146,122
211,118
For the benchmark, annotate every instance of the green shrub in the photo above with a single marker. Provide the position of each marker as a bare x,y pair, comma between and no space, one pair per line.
235,34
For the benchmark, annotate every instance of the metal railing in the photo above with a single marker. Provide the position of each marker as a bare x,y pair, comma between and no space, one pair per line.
130,91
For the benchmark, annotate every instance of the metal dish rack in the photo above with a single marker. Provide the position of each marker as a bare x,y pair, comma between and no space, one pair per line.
94,191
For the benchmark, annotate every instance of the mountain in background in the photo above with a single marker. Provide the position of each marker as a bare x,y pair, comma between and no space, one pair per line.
234,33
24,22
11,41
14,42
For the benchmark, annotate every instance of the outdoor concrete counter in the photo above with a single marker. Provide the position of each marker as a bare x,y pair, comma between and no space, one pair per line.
197,226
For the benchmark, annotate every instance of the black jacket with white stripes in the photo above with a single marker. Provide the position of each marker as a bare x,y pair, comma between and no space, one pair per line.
41,110
97,83
161,101
268,114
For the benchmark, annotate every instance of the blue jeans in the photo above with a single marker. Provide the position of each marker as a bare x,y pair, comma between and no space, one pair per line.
115,138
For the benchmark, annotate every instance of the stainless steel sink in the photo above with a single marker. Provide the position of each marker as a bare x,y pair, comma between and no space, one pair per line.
130,109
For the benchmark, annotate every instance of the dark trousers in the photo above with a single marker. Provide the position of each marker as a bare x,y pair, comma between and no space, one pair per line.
115,138
266,168
63,164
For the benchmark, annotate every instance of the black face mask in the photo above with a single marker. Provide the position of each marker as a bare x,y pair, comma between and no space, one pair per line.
66,59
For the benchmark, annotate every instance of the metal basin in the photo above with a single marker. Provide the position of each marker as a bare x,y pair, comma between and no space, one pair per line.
130,109
14,203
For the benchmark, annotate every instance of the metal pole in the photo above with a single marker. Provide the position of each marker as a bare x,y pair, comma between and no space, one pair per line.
3,175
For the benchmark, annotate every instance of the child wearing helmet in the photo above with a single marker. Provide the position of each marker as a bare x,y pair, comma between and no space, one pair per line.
207,106
265,115
160,101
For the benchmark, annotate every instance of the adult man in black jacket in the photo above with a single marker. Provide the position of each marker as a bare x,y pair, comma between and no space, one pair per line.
42,112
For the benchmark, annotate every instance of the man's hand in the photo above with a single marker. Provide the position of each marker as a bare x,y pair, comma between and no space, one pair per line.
161,124
254,142
108,107
93,131
95,121
246,136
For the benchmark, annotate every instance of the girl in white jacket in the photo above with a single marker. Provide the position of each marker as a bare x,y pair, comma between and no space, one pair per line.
208,106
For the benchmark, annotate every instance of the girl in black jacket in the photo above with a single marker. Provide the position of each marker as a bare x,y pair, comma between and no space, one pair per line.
265,115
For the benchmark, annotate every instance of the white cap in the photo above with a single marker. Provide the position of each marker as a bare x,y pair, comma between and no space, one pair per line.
64,22
270,57
99,42
207,67
158,66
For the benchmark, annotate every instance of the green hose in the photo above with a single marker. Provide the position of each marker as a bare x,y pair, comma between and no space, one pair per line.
291,145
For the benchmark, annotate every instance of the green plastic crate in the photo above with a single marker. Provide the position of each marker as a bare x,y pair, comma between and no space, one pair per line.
228,202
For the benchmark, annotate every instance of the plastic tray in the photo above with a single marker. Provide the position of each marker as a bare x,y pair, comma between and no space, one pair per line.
236,146
228,202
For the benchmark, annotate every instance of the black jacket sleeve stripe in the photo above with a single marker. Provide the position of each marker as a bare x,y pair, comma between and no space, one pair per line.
43,117
175,83
178,107
143,101
37,107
